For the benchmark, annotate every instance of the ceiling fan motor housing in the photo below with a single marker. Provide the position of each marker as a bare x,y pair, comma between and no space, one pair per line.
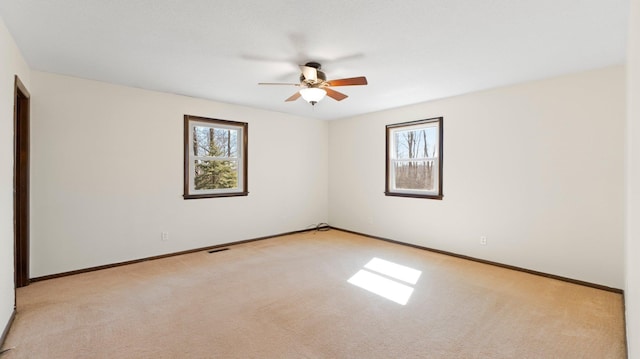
320,76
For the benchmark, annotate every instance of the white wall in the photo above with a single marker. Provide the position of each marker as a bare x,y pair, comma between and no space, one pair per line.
11,64
107,175
632,289
538,168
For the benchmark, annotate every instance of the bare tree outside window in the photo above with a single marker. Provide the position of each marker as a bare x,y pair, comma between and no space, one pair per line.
215,158
414,159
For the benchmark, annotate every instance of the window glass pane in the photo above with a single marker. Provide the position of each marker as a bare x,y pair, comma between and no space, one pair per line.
215,174
419,143
215,142
419,175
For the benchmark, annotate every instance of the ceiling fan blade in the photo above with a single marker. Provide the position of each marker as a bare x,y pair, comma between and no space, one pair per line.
277,83
352,81
309,73
338,96
293,97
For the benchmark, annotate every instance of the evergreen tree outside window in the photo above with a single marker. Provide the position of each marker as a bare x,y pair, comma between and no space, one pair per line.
215,157
414,159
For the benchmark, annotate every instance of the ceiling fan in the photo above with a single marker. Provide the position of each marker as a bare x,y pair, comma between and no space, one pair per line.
315,85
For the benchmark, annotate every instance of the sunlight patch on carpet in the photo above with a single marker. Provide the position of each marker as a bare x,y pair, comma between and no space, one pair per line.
386,282
394,270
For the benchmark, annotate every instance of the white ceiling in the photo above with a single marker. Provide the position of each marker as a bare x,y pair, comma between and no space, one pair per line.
410,51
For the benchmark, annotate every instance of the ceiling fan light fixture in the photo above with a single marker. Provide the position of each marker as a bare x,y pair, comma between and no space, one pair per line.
313,95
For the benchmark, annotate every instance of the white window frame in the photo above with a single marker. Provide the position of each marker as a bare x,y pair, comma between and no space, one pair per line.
391,159
190,192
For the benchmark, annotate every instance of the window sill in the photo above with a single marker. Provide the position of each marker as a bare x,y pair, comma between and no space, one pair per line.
215,195
414,195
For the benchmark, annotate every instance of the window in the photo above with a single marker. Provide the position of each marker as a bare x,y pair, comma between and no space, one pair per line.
215,158
414,159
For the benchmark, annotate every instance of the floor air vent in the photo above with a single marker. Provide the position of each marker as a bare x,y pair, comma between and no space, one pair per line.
218,250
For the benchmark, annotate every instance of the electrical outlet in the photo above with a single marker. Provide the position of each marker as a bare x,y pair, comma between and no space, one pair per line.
164,236
483,240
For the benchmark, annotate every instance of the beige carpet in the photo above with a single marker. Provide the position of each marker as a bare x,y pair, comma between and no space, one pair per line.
289,297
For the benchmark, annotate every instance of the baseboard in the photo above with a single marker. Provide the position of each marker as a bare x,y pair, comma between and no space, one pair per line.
5,332
119,264
507,266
